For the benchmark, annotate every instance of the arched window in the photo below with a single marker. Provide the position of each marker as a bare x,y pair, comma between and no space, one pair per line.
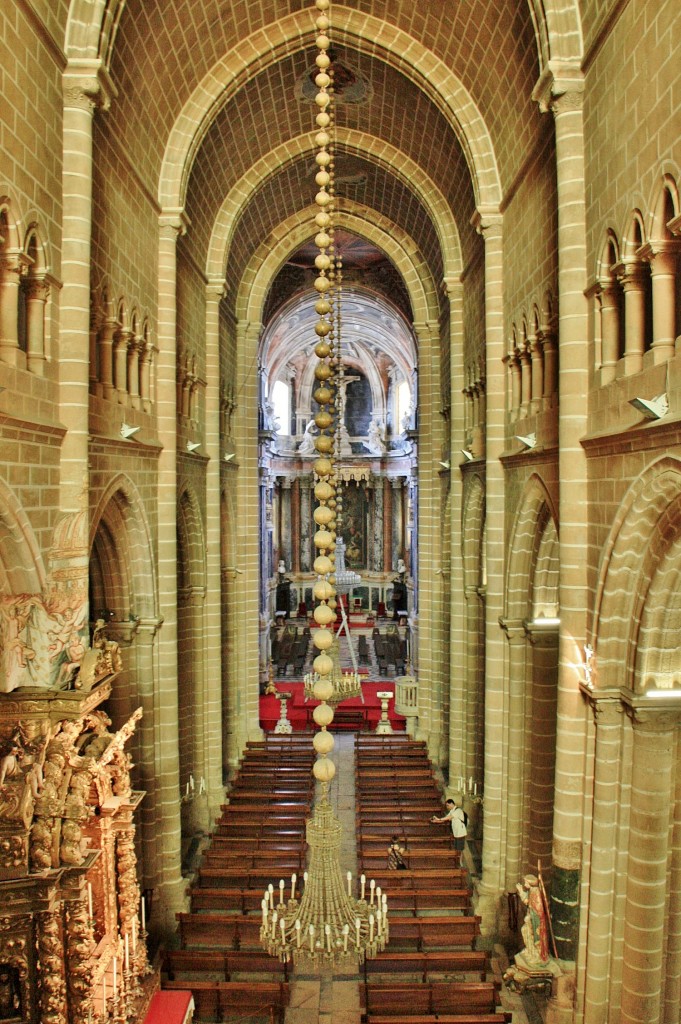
281,407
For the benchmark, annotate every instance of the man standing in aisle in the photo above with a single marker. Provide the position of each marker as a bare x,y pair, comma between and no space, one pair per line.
457,816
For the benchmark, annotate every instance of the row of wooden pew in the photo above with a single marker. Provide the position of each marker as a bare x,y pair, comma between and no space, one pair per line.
431,970
259,839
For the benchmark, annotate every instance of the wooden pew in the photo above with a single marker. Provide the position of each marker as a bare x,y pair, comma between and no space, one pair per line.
460,961
219,931
220,1000
416,859
407,829
276,828
237,900
291,843
195,962
230,877
373,843
416,900
429,933
283,862
432,997
420,878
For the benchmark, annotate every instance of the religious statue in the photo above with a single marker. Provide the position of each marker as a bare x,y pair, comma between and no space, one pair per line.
533,967
375,442
535,928
306,446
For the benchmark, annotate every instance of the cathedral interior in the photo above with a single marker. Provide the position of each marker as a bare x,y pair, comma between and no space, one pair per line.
506,193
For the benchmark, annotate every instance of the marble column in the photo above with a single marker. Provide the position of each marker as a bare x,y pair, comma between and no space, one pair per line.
295,526
286,523
378,533
387,553
397,484
305,523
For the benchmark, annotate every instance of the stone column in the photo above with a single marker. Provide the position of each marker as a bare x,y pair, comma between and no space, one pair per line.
605,888
134,371
459,726
170,886
212,625
489,224
146,673
537,359
146,361
243,596
610,329
12,264
516,381
107,333
516,724
564,96
37,292
631,274
663,257
203,709
525,380
84,89
285,524
653,769
550,363
540,764
122,340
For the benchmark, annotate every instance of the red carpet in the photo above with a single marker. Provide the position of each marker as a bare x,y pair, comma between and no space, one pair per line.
299,712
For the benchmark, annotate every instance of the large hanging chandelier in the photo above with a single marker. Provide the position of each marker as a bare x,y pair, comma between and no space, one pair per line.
327,922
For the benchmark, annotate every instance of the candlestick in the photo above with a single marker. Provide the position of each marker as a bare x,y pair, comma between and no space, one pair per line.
372,887
144,912
275,918
281,891
470,783
293,886
350,883
89,899
263,905
191,782
362,883
270,890
346,932
311,938
327,932
357,928
371,927
134,935
475,789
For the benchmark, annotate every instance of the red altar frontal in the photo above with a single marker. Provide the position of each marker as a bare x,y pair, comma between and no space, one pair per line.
351,714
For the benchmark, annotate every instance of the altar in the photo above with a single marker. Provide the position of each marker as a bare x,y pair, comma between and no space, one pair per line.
353,713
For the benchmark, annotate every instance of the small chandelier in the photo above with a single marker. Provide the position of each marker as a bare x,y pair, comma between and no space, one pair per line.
327,922
345,684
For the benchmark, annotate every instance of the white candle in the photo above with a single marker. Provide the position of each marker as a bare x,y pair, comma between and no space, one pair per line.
346,932
270,890
263,905
470,783
281,891
293,886
191,782
134,935
349,883
187,793
202,785
305,877
127,952
327,932
115,969
275,918
89,899
378,894
298,933
357,927
311,938
475,789
363,883
371,927
372,887
282,926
